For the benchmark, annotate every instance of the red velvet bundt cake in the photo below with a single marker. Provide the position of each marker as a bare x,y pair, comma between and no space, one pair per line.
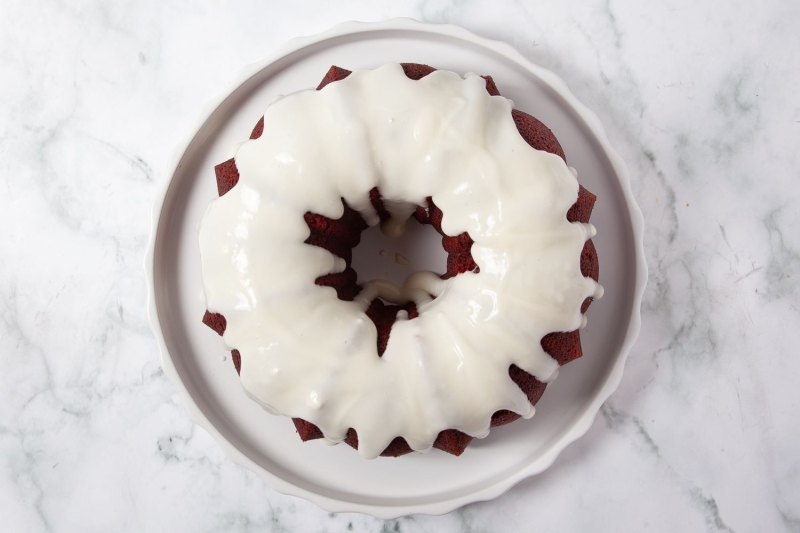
514,317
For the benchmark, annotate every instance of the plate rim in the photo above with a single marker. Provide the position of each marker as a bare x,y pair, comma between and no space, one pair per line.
579,427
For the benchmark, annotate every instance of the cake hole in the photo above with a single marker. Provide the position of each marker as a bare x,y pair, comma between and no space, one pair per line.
396,258
420,247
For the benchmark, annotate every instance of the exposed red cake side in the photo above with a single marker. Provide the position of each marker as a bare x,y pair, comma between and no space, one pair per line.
450,440
537,134
532,387
307,430
491,88
237,361
215,321
377,203
415,71
384,315
590,268
501,418
227,176
581,210
334,74
563,346
344,283
258,130
341,235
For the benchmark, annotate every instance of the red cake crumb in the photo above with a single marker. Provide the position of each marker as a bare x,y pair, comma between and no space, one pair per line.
377,204
341,235
237,361
590,267
383,315
582,209
307,430
563,346
491,88
215,321
258,130
227,176
450,440
536,134
334,74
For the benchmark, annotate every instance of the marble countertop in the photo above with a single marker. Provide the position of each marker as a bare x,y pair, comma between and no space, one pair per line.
700,99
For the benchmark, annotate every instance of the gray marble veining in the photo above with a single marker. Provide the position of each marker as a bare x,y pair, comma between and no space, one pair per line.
700,99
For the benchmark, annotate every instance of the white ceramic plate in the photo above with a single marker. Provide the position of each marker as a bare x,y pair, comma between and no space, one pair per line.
337,478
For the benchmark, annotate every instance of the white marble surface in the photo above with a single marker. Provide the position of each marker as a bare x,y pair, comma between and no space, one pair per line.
700,99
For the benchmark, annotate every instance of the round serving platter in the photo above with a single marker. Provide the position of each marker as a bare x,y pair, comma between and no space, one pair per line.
337,478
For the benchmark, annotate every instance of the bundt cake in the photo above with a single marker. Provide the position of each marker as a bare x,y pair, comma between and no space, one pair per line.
390,369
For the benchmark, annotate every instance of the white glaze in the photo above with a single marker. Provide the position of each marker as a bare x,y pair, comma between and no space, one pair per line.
307,354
